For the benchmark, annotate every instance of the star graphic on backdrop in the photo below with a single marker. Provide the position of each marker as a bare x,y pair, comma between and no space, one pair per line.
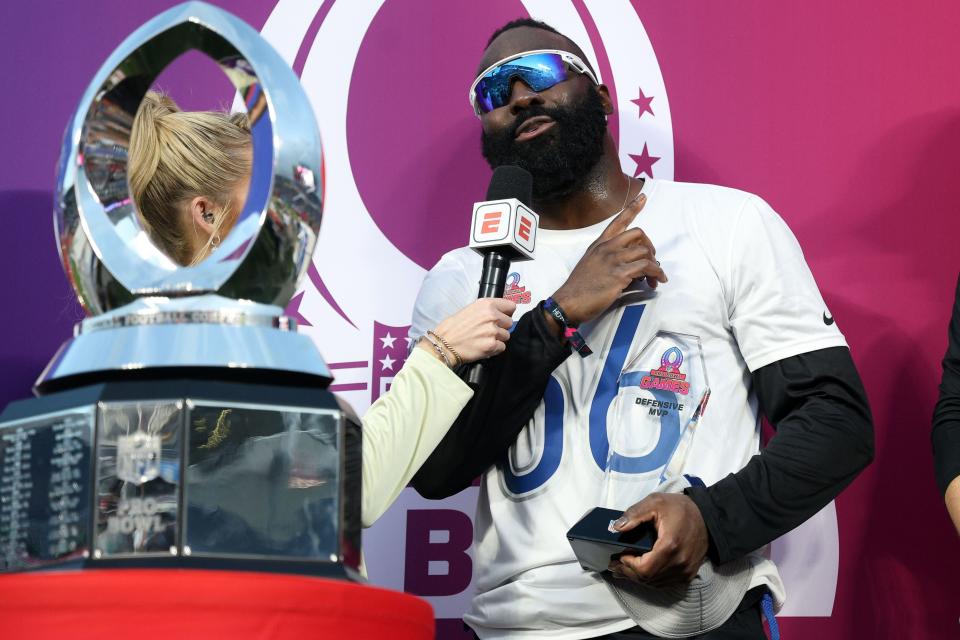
644,103
409,341
387,363
293,310
644,161
388,341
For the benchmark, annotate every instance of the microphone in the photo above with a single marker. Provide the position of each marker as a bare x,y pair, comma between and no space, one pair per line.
503,229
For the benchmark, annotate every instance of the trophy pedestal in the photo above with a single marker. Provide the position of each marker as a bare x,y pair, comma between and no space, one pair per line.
181,472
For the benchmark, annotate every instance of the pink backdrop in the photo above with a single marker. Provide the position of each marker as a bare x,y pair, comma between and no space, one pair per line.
844,116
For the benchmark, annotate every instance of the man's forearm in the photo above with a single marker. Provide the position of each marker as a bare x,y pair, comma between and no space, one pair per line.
512,388
945,434
824,439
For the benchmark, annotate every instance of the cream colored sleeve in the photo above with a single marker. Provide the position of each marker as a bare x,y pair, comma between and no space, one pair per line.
403,427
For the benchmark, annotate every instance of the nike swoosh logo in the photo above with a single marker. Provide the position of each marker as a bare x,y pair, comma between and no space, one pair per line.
827,320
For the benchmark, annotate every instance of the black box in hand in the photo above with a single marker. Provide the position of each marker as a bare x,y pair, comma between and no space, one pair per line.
595,542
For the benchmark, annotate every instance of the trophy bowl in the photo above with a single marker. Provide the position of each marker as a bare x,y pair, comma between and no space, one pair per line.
226,311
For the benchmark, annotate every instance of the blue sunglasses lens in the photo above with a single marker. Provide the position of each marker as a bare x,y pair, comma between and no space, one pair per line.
539,71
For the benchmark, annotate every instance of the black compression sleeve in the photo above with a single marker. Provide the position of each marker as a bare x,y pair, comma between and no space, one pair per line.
945,435
511,390
824,438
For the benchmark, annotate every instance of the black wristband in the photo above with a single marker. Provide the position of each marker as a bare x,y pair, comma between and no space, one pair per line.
570,332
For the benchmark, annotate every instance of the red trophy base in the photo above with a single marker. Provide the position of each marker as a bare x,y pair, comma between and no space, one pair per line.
152,604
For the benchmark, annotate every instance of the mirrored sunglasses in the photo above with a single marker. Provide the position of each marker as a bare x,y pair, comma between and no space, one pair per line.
539,70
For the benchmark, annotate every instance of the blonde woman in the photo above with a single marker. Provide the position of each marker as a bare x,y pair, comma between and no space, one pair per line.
189,173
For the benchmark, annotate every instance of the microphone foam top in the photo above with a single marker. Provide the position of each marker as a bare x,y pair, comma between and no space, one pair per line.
511,181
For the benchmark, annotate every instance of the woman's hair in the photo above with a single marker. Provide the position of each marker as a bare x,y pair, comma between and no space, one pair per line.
176,156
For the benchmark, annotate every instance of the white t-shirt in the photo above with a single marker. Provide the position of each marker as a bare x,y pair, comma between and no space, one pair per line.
739,283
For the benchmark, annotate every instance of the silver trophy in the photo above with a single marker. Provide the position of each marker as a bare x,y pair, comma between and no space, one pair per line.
186,423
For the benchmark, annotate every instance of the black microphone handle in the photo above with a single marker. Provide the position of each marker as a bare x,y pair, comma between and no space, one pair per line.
493,277
493,282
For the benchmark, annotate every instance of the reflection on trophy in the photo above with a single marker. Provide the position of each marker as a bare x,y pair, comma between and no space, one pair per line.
186,423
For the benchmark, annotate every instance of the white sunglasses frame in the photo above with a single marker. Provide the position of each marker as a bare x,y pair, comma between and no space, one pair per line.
574,61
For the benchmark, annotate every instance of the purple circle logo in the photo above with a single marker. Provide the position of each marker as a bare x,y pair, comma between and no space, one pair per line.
671,360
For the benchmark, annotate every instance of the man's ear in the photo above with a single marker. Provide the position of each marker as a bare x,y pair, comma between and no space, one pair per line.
202,214
605,99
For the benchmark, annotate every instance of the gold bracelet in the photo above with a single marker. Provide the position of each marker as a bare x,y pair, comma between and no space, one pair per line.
459,360
439,350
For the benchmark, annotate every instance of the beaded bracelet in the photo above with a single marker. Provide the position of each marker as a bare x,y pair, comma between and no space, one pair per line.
456,356
570,332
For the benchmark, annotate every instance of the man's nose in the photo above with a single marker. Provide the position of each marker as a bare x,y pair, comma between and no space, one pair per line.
522,96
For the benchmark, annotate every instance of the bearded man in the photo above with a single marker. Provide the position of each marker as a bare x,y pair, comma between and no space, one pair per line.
706,282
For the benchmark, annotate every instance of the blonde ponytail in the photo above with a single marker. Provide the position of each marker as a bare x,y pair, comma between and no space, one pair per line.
176,156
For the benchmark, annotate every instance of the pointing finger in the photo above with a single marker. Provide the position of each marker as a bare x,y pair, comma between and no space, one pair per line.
620,223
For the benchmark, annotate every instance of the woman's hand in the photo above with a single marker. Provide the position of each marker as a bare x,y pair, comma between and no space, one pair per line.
477,331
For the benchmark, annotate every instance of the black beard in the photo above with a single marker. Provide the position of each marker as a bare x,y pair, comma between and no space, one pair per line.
560,160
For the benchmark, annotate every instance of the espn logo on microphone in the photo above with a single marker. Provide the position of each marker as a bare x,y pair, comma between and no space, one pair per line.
505,224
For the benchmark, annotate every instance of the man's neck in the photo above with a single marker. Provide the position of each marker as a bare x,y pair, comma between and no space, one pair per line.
599,195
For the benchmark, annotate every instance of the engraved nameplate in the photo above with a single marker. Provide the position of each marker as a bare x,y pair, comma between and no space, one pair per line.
45,489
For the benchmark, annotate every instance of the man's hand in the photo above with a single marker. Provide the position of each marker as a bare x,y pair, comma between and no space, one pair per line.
681,541
614,260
